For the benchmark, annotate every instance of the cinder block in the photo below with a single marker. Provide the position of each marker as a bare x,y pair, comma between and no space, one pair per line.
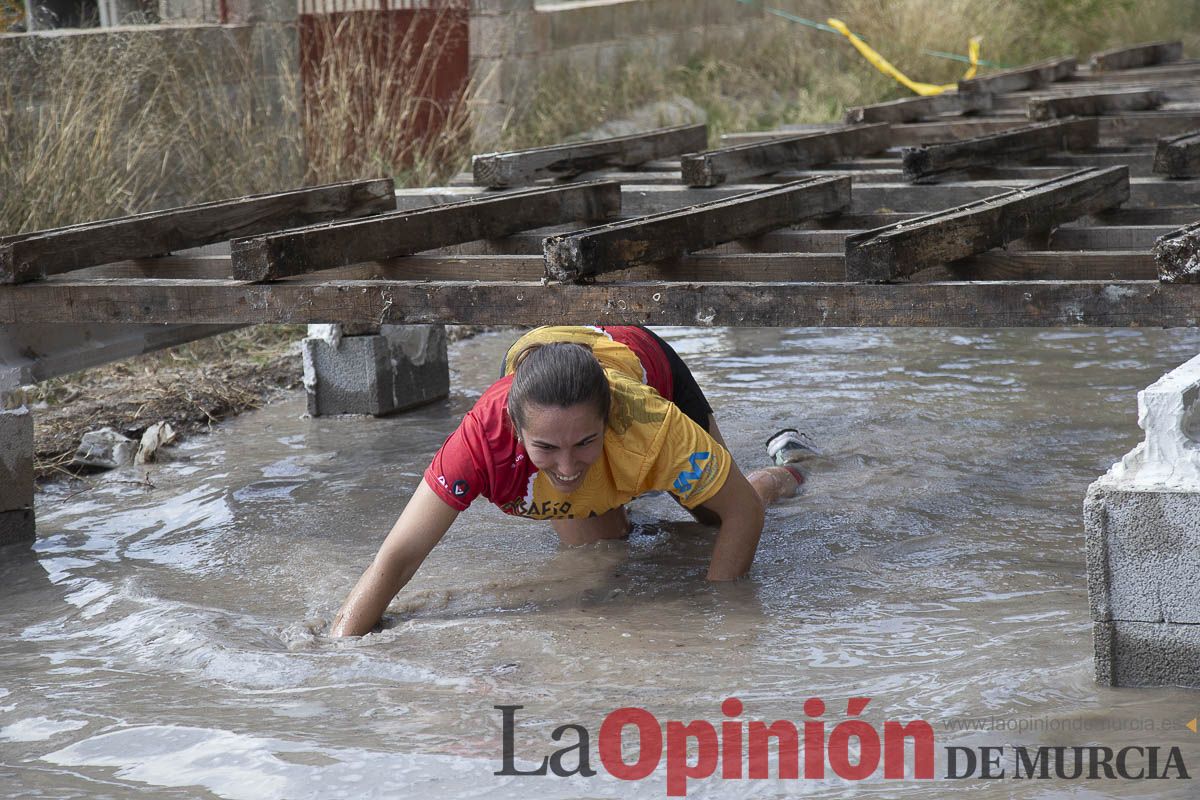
1147,654
1143,551
16,526
401,367
16,459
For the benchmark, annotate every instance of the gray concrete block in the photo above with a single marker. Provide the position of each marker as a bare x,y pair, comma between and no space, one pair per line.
401,367
16,459
1147,654
16,526
1143,551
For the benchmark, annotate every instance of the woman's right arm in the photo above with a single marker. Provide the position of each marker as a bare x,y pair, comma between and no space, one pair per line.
421,526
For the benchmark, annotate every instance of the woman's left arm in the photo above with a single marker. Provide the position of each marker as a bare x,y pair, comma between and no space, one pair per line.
741,512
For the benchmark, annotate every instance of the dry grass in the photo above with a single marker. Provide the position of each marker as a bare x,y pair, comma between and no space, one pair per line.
119,124
190,386
794,73
369,104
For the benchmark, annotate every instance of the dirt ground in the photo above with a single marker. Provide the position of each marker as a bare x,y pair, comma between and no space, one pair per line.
191,386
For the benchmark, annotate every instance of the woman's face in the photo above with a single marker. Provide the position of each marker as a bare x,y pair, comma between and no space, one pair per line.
563,442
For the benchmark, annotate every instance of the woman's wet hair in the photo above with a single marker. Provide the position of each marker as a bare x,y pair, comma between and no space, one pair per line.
561,374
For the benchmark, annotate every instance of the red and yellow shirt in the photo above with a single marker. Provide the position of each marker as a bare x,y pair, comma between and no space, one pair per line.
649,444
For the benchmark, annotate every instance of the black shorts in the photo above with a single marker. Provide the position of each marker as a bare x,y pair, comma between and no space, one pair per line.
688,394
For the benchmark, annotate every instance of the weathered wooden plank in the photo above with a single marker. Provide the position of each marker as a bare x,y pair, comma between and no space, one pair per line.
707,266
1139,162
1014,80
1132,126
1094,104
403,233
911,109
1148,126
644,240
31,256
832,240
519,167
867,198
1138,55
1101,238
1162,215
1182,69
1173,90
1178,255
714,167
1030,142
1178,156
886,254
786,304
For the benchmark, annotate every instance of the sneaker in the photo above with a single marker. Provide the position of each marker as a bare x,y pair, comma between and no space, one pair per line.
789,446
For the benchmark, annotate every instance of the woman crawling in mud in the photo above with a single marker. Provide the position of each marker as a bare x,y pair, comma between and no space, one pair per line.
584,420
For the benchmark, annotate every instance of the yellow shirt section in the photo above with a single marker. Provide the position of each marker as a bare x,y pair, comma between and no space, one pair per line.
610,354
649,445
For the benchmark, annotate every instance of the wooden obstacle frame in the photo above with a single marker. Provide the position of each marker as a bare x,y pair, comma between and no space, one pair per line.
1088,218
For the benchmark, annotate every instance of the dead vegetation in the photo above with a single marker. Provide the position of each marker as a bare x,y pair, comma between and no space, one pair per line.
190,386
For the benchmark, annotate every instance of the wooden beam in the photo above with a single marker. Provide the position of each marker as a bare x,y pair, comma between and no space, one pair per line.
867,198
520,167
1182,69
796,152
1163,215
31,256
1093,105
1132,126
1108,238
1138,55
1138,162
1091,237
264,258
1178,156
897,251
1033,76
1148,126
1178,255
911,109
1028,143
708,266
643,240
784,304
1173,90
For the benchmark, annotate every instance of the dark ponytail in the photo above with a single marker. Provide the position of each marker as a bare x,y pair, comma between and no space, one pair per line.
558,375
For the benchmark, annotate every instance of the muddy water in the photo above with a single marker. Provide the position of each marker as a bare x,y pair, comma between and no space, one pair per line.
166,636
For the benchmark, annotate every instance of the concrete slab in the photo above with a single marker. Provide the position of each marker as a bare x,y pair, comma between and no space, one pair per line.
401,367
1147,654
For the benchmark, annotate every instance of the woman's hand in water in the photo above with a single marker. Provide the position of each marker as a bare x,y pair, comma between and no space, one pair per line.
421,526
741,512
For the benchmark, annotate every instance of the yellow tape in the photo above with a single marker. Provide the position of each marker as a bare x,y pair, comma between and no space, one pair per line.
883,65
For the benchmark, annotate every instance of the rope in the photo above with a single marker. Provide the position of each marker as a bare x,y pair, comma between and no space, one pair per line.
882,64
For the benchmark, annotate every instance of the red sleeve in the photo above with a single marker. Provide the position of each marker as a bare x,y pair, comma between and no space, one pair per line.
454,474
